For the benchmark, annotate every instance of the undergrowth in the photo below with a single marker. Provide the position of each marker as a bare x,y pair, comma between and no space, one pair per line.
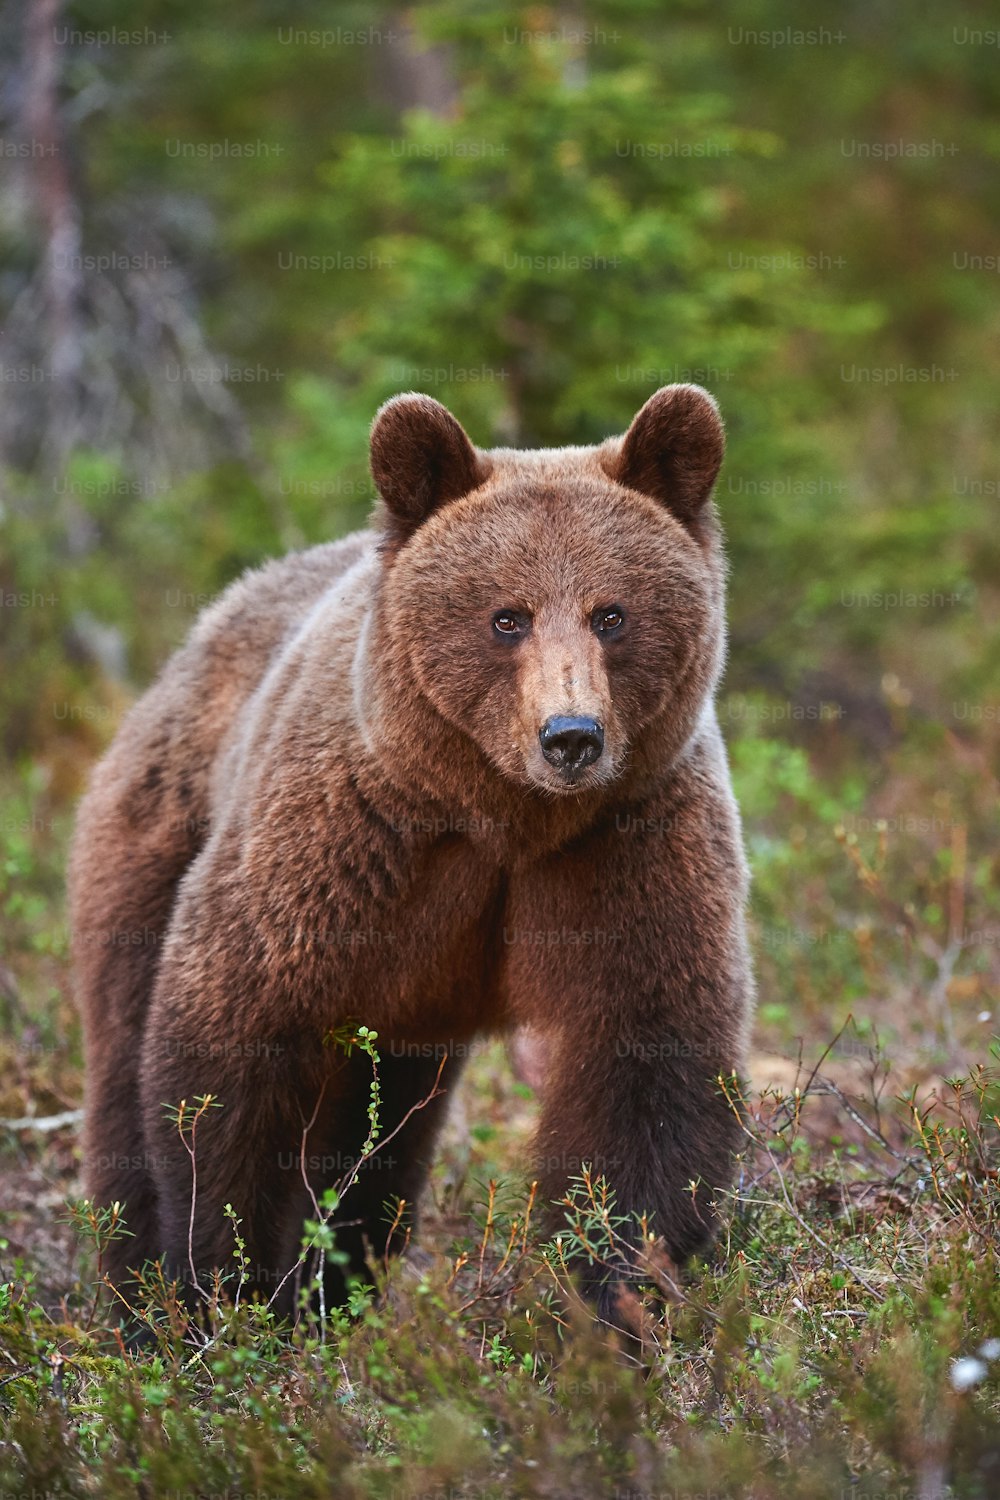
843,1339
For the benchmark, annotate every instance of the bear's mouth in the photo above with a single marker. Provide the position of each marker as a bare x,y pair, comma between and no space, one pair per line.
571,782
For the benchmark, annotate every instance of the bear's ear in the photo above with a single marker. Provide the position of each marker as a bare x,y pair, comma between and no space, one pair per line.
421,458
673,450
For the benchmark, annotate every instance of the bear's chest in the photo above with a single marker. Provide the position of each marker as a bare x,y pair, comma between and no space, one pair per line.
419,948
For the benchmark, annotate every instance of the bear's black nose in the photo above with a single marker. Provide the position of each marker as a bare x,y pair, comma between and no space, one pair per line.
570,744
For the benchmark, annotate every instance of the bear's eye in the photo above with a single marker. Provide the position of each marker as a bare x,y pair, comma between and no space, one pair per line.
608,619
510,623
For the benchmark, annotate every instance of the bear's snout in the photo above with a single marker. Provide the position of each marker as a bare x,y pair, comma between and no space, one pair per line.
571,743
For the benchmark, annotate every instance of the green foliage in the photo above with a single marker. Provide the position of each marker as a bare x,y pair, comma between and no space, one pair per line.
591,208
30,868
846,1339
361,1038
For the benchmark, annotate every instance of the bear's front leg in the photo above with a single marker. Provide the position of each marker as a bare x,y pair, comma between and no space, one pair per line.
628,950
636,1101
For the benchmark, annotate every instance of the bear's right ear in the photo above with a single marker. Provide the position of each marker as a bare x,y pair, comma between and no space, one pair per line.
421,458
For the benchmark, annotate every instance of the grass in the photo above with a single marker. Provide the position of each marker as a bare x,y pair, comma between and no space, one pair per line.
842,1340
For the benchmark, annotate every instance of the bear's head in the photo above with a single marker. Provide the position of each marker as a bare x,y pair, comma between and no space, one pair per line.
560,607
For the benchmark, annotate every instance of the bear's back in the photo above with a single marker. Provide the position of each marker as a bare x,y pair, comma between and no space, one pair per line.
153,785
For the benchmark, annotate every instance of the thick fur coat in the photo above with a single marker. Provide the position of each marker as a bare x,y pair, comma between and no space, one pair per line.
452,775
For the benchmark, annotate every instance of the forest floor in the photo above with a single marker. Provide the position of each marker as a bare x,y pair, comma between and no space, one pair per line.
842,1340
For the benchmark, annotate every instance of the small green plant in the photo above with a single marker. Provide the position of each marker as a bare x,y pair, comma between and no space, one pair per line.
349,1038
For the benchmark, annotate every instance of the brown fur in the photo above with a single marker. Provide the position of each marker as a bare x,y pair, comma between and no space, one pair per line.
333,805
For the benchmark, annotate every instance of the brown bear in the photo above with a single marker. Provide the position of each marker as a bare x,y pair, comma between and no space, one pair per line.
456,774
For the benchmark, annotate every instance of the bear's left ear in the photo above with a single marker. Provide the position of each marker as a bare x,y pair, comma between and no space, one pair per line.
421,458
673,450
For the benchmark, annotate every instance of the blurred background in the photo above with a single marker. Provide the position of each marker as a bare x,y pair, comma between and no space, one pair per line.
229,232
